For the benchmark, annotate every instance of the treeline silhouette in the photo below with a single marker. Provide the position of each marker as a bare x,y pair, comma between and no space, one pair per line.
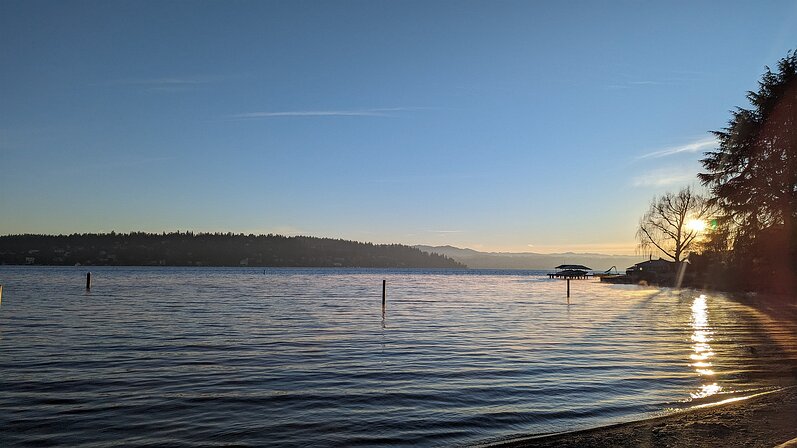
752,179
210,249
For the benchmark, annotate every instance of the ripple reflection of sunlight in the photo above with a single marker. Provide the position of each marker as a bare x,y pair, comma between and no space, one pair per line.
701,336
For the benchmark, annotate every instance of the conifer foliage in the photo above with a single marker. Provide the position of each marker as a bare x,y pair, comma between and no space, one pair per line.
752,176
753,173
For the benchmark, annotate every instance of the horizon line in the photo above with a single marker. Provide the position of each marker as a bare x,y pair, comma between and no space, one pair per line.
591,252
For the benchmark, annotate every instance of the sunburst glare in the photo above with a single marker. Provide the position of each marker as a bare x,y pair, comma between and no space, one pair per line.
696,225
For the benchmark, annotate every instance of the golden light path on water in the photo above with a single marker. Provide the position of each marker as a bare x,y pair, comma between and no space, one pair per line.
702,355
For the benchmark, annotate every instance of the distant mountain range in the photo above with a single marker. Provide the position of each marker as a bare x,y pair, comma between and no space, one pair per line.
528,260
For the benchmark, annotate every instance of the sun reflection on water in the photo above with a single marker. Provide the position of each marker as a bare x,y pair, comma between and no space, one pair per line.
706,390
701,336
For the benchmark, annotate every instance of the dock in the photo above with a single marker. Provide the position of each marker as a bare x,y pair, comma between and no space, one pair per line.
571,272
573,275
617,279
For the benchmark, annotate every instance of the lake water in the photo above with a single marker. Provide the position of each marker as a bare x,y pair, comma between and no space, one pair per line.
305,357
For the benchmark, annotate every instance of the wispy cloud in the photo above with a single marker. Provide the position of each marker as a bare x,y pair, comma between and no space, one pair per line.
164,84
144,161
670,78
695,146
375,112
159,82
417,179
165,81
131,162
445,232
664,177
632,84
646,83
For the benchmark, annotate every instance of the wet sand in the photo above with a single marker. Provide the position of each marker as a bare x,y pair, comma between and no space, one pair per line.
763,421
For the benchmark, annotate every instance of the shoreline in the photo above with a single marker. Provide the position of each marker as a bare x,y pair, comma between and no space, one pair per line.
766,419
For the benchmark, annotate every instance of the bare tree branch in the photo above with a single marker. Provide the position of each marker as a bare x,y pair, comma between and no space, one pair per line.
665,224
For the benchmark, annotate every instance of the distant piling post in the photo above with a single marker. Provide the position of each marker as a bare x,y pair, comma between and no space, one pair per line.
568,290
384,286
88,281
1,294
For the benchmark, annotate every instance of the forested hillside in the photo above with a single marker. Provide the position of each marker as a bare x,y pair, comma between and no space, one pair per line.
210,249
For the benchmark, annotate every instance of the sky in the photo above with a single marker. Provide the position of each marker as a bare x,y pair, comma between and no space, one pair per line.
495,125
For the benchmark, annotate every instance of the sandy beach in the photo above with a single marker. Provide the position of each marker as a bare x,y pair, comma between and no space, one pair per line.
766,420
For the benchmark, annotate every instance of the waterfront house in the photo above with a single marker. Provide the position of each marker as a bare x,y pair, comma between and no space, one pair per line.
652,271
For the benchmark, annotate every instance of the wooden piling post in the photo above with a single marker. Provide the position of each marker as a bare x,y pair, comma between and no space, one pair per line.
88,281
1,293
384,283
568,290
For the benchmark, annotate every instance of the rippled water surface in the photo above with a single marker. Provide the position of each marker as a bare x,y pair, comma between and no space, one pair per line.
293,357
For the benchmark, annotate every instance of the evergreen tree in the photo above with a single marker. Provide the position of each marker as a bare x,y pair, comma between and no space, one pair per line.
753,175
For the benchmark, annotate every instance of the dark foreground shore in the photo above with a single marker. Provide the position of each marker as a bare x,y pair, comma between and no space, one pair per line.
766,420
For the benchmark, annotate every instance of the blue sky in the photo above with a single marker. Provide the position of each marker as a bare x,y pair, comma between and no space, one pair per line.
508,126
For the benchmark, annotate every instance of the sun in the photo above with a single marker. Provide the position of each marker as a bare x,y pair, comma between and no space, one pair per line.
696,225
